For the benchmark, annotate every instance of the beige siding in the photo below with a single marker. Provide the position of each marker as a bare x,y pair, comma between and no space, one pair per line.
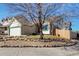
63,33
27,30
66,33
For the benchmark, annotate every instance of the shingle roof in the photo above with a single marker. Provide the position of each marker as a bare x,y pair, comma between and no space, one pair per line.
23,20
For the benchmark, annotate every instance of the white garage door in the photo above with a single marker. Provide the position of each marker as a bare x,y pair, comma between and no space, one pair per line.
15,31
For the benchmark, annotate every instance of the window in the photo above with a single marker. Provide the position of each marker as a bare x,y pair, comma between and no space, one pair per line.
5,28
45,27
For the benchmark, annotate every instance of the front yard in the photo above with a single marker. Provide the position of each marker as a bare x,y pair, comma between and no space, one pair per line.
34,41
45,36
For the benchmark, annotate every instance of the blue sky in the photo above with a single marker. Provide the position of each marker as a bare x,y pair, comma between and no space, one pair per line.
3,12
75,21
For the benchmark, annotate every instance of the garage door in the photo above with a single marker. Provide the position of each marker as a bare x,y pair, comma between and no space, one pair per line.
15,31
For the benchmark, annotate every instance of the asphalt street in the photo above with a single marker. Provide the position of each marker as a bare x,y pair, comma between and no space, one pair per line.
59,51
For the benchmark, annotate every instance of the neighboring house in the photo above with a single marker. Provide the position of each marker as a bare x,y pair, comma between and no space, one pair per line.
5,23
1,29
53,23
21,26
58,27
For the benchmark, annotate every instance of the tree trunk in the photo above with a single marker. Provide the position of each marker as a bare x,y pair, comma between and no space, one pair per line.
50,27
40,20
41,33
37,28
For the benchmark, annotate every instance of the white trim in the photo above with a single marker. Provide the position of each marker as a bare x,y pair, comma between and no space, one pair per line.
48,31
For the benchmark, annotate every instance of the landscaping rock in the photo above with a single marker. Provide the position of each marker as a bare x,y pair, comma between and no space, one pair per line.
23,41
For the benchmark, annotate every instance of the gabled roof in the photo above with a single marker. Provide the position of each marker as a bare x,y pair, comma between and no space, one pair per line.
6,23
23,20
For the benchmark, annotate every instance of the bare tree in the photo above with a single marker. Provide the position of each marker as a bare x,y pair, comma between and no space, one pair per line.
37,12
